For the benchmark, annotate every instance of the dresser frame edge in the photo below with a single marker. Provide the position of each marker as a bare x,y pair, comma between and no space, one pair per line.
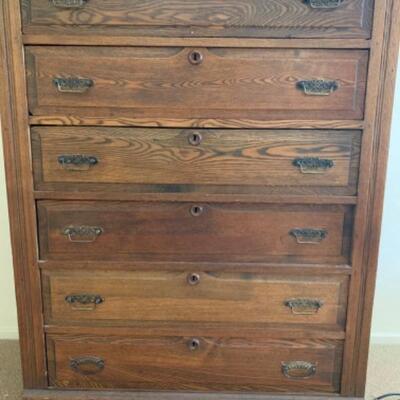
21,203
367,228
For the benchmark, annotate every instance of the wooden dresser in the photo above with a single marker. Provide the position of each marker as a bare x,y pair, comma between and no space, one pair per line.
195,193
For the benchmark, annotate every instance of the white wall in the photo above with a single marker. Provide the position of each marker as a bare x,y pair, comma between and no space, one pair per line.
8,312
386,322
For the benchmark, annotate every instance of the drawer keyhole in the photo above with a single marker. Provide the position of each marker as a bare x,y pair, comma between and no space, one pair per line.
194,344
193,279
196,211
195,139
195,57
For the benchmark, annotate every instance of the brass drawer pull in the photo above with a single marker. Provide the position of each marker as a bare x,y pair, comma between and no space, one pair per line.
84,301
309,235
77,162
69,3
299,369
194,344
304,306
73,85
195,138
193,279
195,57
317,87
196,211
82,234
324,3
87,365
313,165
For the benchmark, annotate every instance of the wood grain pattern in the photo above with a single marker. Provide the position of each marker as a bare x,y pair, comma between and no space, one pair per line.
231,123
212,18
384,57
209,329
198,196
166,363
169,296
230,83
55,37
224,161
242,80
132,395
14,127
168,231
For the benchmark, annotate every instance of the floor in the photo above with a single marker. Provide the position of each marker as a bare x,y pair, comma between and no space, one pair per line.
383,374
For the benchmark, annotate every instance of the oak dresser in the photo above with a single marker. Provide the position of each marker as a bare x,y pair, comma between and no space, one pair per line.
195,193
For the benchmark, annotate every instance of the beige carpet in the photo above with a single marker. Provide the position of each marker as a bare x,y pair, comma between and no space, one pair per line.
383,374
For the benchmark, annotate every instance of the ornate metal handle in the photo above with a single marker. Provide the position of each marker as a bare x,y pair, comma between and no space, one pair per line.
82,234
317,87
69,3
87,365
309,235
77,162
73,85
84,302
313,165
324,3
304,306
299,369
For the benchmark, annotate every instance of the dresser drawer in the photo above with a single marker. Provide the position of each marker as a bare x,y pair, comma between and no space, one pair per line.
189,83
187,160
193,18
129,297
194,363
99,230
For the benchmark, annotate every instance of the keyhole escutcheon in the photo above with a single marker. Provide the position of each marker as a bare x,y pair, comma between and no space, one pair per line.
195,57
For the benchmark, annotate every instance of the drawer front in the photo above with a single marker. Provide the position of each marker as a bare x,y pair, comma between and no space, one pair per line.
205,160
194,363
92,230
167,296
191,83
193,18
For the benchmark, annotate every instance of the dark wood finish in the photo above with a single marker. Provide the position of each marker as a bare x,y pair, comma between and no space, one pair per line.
161,82
169,363
196,296
14,127
131,395
234,18
165,231
232,123
210,329
368,220
241,62
196,196
114,40
249,161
